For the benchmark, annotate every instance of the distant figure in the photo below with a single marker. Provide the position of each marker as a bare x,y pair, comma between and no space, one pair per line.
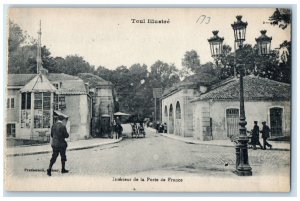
265,135
165,127
118,128
157,127
59,144
161,128
255,136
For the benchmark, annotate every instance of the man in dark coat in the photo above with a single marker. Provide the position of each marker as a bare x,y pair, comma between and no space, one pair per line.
265,135
59,144
255,136
119,128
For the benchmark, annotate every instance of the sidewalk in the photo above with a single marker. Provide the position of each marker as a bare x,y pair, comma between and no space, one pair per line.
46,148
276,145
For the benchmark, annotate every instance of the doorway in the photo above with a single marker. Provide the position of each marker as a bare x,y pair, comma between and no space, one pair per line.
276,121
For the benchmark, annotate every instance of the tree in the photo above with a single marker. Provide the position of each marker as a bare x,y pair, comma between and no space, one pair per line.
104,73
15,37
207,68
22,60
281,17
190,63
59,65
75,64
225,63
163,75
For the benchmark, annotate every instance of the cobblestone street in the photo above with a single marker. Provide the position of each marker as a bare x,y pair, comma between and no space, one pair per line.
154,154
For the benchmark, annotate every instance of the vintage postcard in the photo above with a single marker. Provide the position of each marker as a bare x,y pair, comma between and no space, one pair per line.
148,99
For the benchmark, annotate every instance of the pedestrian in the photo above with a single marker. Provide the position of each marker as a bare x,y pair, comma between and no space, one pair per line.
119,128
59,145
255,136
165,127
157,126
265,135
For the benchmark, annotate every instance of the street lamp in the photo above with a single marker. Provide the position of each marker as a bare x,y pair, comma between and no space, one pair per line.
263,43
239,27
216,45
242,167
264,46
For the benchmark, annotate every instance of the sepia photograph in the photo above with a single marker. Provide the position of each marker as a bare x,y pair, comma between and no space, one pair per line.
148,99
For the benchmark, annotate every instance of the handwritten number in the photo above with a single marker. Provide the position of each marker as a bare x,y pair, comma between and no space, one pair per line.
203,18
208,20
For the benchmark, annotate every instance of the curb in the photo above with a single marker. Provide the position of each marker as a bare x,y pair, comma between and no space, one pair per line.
219,145
71,149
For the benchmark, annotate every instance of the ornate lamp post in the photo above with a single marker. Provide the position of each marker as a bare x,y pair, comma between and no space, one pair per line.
263,43
242,167
216,44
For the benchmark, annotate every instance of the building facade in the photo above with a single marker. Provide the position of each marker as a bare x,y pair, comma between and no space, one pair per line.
35,100
177,111
214,110
102,107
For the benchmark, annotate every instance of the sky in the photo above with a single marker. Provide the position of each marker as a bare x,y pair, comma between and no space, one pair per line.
107,36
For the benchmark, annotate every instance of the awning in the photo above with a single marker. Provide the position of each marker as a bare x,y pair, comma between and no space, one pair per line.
121,114
60,114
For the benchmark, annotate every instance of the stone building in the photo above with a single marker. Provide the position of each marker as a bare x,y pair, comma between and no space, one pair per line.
177,110
102,110
35,100
211,112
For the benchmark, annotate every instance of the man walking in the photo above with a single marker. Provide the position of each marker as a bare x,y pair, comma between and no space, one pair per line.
265,135
59,144
255,136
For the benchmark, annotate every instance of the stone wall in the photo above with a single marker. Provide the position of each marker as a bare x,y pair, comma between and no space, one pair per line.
254,110
78,112
183,126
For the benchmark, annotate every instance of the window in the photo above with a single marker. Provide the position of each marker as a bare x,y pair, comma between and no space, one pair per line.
276,114
59,102
11,130
26,101
42,105
10,103
178,111
166,111
56,85
233,119
26,110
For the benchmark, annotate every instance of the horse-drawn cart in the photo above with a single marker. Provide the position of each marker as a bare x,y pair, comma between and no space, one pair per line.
137,130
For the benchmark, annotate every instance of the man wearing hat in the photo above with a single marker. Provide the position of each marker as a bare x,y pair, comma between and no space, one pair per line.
255,136
265,135
59,144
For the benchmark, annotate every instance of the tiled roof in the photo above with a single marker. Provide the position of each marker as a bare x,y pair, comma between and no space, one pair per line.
193,81
72,87
39,83
70,84
93,80
19,79
255,88
61,76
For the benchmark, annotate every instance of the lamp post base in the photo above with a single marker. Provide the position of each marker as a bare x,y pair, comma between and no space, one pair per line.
242,164
243,172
